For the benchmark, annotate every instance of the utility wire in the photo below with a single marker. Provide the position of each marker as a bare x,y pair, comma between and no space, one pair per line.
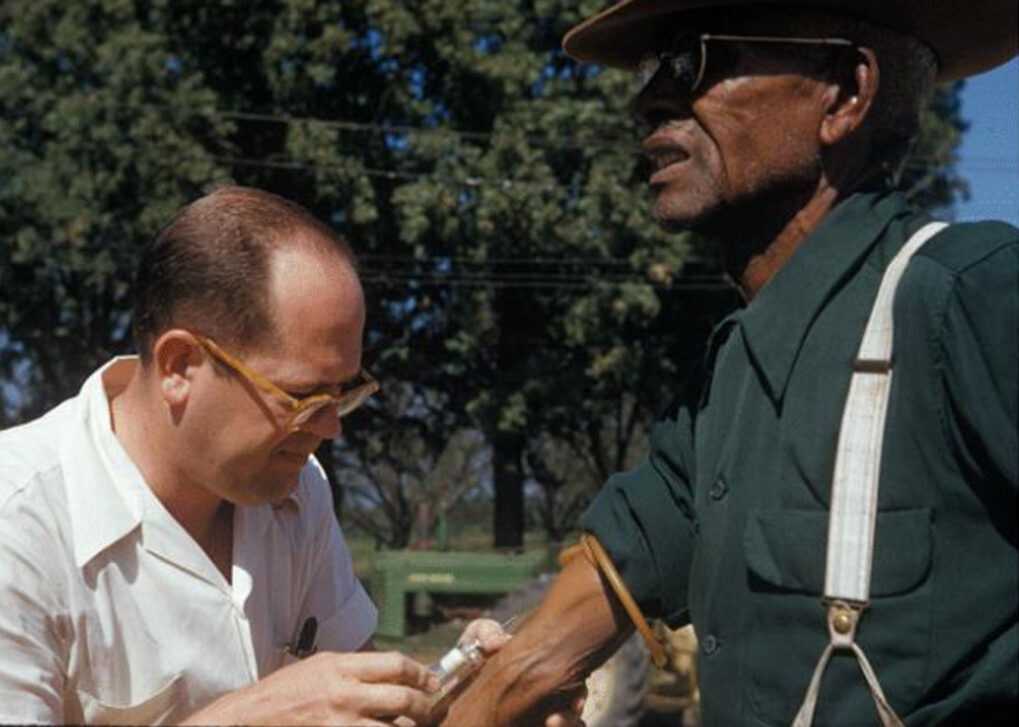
467,260
594,142
505,184
632,276
976,163
457,282
471,181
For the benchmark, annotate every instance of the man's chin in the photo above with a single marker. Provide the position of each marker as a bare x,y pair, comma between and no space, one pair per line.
272,489
285,489
679,218
279,500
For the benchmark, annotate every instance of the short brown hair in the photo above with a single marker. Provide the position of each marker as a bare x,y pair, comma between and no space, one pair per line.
208,269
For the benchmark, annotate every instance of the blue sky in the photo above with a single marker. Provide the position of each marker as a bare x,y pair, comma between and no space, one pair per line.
989,154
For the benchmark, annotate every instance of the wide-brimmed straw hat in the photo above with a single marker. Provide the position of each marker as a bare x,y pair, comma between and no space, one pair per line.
968,36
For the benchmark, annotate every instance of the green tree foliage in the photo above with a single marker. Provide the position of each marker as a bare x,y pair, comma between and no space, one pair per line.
491,186
99,143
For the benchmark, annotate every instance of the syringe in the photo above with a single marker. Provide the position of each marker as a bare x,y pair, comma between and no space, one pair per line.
460,662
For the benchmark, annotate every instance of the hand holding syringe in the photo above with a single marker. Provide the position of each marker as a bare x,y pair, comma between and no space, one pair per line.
459,663
458,666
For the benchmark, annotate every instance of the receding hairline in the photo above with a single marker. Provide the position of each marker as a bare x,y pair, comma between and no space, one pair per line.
300,221
232,233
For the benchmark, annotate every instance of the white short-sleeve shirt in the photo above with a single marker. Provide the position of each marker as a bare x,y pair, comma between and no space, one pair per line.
111,613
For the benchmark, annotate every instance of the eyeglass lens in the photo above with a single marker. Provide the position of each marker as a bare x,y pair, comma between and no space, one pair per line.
344,404
683,61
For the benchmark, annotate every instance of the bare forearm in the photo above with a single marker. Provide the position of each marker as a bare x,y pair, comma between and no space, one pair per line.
578,625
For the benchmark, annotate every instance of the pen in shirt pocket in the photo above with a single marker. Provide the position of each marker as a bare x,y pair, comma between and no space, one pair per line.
304,646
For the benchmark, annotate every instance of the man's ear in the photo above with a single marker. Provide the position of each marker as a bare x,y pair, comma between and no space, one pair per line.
849,102
175,355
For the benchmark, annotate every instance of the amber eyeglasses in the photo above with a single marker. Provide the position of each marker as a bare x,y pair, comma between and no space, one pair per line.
300,410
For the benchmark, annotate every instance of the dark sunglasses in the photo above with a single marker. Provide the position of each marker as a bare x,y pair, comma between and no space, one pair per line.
687,57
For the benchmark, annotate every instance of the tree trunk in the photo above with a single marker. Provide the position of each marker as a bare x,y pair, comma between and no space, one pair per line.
509,491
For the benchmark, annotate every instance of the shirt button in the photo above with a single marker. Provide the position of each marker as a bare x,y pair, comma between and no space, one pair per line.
719,489
710,644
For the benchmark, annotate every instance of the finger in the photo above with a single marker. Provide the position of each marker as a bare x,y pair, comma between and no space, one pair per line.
486,632
391,701
387,667
571,717
580,702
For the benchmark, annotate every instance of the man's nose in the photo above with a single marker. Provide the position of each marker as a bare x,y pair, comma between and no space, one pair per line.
324,424
659,101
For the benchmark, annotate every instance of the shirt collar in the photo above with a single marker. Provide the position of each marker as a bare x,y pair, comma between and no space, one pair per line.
102,483
107,494
776,322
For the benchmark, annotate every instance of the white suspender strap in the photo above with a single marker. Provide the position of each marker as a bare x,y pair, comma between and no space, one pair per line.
855,487
858,457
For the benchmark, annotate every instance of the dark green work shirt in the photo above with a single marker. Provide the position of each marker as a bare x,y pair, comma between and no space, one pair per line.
725,523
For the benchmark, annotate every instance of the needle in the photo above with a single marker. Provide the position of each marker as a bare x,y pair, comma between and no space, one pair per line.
507,625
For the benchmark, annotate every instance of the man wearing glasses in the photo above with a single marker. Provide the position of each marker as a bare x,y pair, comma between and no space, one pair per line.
166,538
817,596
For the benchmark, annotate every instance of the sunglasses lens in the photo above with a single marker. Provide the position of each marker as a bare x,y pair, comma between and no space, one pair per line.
685,70
685,61
647,69
682,61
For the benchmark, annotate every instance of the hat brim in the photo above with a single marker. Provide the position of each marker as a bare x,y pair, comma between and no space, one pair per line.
968,36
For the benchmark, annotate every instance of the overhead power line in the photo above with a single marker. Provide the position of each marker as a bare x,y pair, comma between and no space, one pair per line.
592,279
466,260
438,281
392,174
594,141
472,181
578,140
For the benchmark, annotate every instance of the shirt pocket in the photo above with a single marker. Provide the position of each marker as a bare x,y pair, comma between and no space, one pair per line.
787,631
153,709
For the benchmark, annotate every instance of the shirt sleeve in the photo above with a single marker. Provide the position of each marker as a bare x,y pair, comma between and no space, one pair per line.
32,650
980,369
645,520
346,615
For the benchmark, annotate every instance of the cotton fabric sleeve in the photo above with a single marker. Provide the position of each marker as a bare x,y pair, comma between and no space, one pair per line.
33,650
346,615
979,352
645,519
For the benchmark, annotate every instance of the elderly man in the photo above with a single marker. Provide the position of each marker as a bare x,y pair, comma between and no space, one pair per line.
168,548
817,596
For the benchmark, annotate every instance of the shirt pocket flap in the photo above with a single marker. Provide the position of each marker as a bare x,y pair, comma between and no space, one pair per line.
786,549
153,709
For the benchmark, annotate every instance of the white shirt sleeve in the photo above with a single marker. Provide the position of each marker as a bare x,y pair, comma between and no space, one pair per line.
346,616
33,652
